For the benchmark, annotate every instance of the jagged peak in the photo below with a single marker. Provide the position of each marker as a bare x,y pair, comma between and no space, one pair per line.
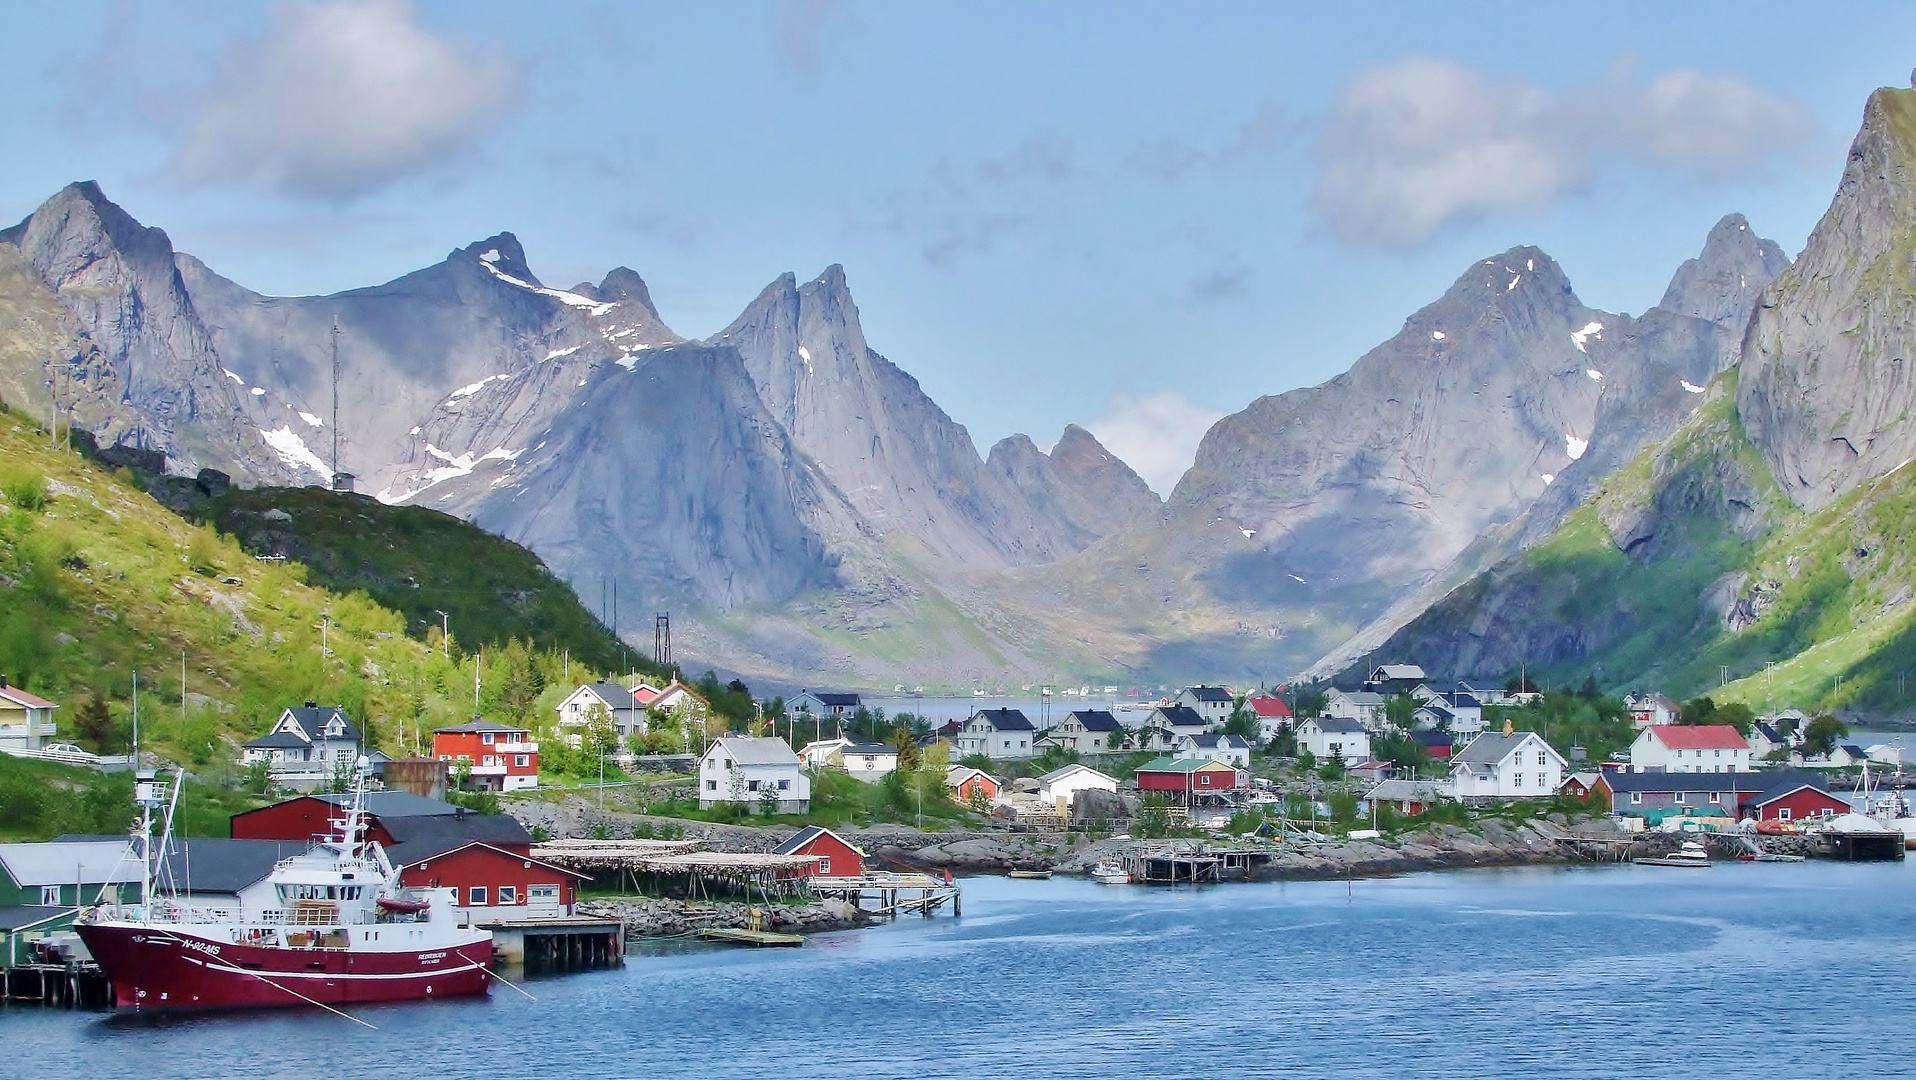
503,253
121,229
1523,271
1722,282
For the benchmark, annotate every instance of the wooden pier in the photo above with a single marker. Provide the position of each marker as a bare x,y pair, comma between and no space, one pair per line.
892,894
759,939
67,986
567,944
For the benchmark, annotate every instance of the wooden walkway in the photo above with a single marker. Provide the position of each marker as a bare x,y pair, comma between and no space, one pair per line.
892,893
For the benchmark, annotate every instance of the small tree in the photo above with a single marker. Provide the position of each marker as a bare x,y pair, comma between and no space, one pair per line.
767,800
601,735
907,747
1399,711
1820,736
1243,722
93,724
1283,742
258,779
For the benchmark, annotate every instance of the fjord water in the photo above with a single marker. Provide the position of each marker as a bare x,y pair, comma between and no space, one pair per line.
1772,970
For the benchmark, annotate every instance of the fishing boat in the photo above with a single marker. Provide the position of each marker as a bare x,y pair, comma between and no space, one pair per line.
339,929
1030,875
1690,854
1110,873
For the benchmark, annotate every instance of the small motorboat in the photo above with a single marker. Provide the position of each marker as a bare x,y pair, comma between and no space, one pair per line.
1690,854
1030,875
1110,873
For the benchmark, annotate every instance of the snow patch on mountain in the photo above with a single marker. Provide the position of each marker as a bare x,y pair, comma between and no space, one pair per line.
293,450
1590,330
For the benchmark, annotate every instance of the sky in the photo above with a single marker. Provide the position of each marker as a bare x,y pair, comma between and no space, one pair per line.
1132,217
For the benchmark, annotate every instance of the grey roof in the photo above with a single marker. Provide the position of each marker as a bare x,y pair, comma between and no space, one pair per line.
1181,716
1399,671
1071,768
836,701
1096,720
1463,699
747,750
614,695
1436,710
22,918
1491,747
472,726
1219,739
1768,732
1409,790
388,805
313,718
1361,697
1336,725
1754,783
869,748
1004,719
84,862
805,836
420,838
1209,693
218,865
1853,750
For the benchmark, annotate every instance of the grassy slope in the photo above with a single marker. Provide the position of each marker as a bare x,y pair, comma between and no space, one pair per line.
103,580
1835,616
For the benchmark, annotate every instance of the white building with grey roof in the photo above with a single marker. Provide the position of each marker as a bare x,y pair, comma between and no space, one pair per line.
1497,766
751,772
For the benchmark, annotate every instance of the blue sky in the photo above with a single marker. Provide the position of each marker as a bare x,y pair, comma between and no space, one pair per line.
1131,217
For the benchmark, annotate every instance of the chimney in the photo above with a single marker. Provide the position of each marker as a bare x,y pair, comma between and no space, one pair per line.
3,682
312,704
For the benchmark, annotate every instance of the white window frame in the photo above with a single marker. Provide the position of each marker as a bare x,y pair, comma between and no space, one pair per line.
49,896
476,896
508,894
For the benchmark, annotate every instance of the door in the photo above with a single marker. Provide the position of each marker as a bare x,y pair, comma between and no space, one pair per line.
542,901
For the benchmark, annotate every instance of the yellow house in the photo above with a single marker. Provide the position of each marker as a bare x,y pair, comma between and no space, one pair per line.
26,720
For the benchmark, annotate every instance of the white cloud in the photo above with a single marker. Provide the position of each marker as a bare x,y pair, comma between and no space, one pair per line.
1156,434
1418,143
340,98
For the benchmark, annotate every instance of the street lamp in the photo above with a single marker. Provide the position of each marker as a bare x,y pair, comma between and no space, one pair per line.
445,633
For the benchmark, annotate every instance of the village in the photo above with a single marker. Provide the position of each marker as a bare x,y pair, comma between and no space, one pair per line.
734,838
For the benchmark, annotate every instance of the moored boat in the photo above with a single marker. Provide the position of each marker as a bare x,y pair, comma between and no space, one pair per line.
1690,854
1110,873
340,929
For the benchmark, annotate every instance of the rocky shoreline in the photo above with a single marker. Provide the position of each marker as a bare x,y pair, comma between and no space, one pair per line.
647,917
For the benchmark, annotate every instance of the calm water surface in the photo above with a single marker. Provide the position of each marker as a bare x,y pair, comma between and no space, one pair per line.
1741,970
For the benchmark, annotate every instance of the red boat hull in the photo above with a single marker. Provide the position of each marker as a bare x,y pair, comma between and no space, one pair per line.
163,967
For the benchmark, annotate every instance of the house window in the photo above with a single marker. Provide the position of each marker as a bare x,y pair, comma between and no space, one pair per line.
824,866
1517,780
711,785
1782,813
751,785
1717,753
1827,812
784,785
49,896
1204,780
522,761
476,896
1715,797
543,892
1636,798
1679,798
508,894
486,738
1541,781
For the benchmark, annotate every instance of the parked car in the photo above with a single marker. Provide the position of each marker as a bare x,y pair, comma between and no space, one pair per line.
68,754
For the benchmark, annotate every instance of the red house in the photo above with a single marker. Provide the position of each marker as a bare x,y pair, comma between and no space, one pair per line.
502,758
836,858
967,783
1189,777
389,814
494,885
1269,707
1800,802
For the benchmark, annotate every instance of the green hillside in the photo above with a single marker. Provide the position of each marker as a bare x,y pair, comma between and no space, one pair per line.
100,581
1691,563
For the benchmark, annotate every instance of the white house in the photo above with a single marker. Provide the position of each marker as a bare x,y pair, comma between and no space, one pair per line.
625,709
1217,746
1765,740
1329,737
1182,720
1452,708
1690,748
1087,731
1060,786
997,734
1213,703
306,746
870,761
823,753
682,701
1651,710
1364,706
823,705
26,720
740,769
1402,676
1517,765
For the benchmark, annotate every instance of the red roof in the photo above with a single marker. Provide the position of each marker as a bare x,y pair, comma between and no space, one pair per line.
21,697
1700,737
1268,706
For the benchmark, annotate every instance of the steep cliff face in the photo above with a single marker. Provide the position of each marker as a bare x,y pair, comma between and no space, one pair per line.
906,466
1827,389
144,367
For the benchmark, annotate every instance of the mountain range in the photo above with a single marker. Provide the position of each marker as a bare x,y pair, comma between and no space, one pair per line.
807,513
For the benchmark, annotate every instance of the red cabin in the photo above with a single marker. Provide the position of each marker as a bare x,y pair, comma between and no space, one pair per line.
500,757
967,784
495,885
836,858
1800,803
1190,776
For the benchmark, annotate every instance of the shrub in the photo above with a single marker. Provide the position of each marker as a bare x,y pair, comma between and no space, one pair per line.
26,491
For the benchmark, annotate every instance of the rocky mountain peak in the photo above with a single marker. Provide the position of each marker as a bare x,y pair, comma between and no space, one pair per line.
621,284
1826,391
503,253
1721,284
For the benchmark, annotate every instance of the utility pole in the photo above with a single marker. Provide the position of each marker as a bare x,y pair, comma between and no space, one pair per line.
445,633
